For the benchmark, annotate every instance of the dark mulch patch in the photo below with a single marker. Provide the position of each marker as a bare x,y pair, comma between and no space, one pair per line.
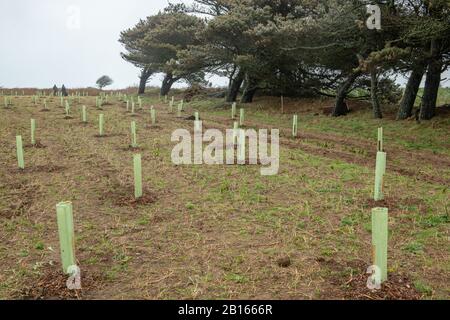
52,285
68,117
44,110
397,287
38,145
394,204
20,206
104,136
284,262
49,168
350,282
124,197
192,118
111,135
131,148
154,127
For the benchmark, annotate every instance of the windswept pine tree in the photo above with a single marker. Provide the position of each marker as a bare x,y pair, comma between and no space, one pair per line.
153,45
299,48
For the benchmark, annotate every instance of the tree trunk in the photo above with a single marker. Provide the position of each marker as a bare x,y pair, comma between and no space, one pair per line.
430,94
145,75
250,90
374,95
235,85
340,107
410,95
167,84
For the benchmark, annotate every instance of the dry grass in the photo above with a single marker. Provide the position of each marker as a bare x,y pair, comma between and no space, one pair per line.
220,231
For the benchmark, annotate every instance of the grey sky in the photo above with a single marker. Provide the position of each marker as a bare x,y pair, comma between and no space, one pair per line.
40,47
41,44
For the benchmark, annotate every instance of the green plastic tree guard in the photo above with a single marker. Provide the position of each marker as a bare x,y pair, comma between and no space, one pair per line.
235,132
19,146
380,171
133,135
64,217
67,108
380,241
180,108
137,176
241,147
380,139
295,126
101,122
83,114
33,132
153,116
242,117
233,110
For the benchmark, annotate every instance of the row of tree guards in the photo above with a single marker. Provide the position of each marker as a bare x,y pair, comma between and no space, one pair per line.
65,211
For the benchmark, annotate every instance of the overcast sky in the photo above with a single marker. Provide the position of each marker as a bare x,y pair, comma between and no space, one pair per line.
43,43
71,42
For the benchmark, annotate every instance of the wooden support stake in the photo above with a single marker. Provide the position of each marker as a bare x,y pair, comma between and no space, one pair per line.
282,104
242,117
380,171
380,241
137,176
19,146
33,132
64,217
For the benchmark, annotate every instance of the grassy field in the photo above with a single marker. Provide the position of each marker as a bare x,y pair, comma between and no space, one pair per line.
222,232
